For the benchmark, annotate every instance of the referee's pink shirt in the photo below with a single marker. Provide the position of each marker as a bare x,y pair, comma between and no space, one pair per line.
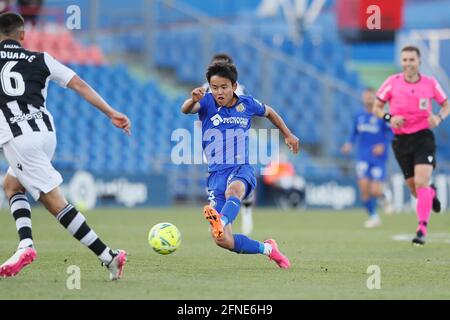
411,100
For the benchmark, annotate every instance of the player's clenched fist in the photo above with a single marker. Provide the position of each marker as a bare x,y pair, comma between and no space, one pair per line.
197,94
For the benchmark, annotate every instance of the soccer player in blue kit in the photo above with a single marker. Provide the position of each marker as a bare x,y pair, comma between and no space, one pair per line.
226,119
372,136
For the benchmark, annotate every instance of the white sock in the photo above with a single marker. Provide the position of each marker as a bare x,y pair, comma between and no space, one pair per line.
267,249
224,220
247,220
106,256
25,243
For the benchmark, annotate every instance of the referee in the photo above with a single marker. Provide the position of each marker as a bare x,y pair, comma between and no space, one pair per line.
411,117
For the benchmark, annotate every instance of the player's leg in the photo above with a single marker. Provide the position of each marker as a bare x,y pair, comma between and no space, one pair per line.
375,193
403,152
227,201
436,205
424,163
240,184
240,243
411,186
20,209
216,186
363,175
237,187
224,212
386,198
75,222
247,214
363,186
425,195
376,178
376,189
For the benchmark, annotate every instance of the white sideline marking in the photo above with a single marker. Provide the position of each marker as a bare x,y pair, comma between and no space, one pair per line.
433,237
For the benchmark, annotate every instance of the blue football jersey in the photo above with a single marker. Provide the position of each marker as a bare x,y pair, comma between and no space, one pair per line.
369,130
225,130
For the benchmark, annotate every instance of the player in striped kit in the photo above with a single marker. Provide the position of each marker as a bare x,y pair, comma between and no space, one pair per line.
27,136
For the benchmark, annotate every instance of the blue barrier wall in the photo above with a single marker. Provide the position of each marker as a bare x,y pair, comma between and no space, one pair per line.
88,191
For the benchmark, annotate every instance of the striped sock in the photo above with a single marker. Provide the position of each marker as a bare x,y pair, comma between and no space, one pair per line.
21,211
76,224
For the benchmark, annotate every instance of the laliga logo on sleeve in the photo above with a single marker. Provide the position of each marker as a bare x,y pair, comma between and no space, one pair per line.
216,120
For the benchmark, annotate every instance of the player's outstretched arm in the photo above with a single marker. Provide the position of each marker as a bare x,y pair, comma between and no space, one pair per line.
192,104
291,140
83,89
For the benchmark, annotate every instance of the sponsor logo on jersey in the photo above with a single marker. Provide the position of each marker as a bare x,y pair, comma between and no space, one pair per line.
26,117
366,127
217,120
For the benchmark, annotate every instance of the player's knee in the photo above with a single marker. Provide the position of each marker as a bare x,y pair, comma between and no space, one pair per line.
11,188
234,192
376,192
364,195
420,182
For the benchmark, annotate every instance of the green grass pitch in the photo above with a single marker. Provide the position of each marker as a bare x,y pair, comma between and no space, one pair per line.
330,253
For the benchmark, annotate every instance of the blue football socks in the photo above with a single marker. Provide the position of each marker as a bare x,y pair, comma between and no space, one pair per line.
370,206
243,244
230,210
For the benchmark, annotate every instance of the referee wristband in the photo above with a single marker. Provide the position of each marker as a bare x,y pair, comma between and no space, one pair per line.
387,117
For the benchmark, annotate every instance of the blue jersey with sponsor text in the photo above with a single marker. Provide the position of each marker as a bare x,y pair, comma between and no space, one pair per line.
369,130
225,130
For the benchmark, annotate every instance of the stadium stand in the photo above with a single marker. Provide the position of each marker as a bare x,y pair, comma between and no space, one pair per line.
305,80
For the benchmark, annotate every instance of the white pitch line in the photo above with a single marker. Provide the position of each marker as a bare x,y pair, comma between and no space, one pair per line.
434,237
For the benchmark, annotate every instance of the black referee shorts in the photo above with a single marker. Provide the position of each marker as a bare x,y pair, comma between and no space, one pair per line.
414,148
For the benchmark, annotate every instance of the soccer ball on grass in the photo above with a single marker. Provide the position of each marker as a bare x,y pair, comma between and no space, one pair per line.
164,238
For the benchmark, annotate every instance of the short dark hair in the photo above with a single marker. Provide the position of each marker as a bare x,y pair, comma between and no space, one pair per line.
222,57
224,70
11,23
412,48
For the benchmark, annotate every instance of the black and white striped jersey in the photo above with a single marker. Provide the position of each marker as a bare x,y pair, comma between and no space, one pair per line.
24,78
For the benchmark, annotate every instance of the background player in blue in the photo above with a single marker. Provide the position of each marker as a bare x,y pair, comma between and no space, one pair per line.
226,119
372,136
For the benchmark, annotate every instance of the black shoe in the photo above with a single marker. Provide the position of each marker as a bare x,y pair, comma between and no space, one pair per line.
436,202
419,239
